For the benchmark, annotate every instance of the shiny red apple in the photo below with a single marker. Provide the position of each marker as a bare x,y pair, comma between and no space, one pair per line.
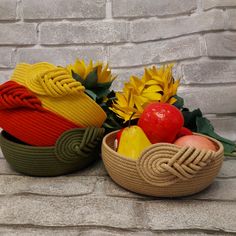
161,122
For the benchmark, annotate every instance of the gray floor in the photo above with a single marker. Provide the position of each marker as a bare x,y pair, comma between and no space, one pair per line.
89,203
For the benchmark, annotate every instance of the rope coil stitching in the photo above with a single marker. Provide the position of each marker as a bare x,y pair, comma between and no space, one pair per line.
46,161
77,143
60,93
13,95
22,115
159,167
56,82
163,170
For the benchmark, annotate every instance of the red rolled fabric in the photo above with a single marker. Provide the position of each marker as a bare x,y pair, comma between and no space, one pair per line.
22,115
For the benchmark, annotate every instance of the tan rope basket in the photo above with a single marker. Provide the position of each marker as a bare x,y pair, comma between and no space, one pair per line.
163,170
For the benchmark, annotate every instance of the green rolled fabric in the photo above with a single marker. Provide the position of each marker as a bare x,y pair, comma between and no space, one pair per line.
75,149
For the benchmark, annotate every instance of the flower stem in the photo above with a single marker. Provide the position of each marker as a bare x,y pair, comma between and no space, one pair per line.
129,124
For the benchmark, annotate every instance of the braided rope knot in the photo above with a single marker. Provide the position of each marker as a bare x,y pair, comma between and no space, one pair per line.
164,165
77,144
14,95
55,82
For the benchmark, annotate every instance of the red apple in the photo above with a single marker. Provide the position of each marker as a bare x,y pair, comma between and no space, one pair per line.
161,122
184,131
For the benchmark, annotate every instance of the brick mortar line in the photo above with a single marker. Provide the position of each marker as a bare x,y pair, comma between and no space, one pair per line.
88,227
13,21
19,10
209,85
138,200
220,7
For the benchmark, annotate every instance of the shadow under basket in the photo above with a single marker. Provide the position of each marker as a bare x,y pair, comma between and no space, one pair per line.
163,170
75,149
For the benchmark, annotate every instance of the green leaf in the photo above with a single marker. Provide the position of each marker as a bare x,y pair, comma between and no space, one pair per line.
91,79
179,103
77,77
204,126
104,85
190,118
91,94
102,92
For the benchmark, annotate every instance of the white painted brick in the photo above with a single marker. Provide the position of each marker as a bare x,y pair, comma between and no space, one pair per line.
18,33
191,214
232,18
59,56
151,29
60,9
221,45
204,72
5,57
74,185
140,8
83,32
4,76
124,75
208,4
154,52
217,99
73,211
7,9
220,189
64,231
228,169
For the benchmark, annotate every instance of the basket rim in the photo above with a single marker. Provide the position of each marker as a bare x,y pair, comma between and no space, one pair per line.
30,147
106,146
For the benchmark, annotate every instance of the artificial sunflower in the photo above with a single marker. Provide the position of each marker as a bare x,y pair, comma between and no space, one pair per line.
155,85
96,78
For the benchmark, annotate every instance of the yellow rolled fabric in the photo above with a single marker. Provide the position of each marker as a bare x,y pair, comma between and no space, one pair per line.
59,92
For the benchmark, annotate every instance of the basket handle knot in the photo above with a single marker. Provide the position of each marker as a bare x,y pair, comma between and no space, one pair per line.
165,165
14,95
77,144
55,82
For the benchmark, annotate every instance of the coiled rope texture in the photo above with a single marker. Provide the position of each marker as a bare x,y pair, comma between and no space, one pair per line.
22,115
60,93
74,150
163,170
163,165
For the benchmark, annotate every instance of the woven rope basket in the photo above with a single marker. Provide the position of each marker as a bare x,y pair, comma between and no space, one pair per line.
163,170
75,149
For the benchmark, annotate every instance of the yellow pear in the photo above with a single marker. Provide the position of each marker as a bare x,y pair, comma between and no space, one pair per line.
132,142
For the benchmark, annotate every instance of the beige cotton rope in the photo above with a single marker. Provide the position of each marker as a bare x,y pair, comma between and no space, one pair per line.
163,170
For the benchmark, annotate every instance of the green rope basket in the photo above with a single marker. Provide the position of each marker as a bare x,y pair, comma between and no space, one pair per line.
75,149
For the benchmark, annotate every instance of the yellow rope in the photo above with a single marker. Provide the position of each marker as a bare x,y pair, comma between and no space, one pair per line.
60,93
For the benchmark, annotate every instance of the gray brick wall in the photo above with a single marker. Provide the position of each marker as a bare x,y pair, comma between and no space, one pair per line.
199,35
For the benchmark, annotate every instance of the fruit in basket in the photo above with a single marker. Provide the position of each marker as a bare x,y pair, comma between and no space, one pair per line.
184,131
117,140
161,122
196,141
132,142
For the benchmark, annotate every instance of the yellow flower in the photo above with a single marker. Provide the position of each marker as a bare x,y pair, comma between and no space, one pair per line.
155,85
104,74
